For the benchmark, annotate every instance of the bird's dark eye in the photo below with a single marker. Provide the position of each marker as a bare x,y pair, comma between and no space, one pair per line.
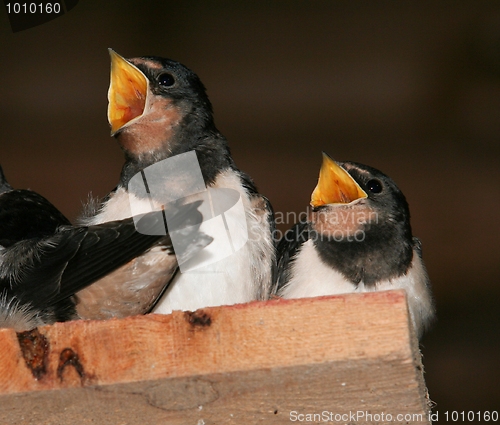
374,186
166,80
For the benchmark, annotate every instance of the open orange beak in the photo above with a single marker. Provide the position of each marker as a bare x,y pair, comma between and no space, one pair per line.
127,92
335,185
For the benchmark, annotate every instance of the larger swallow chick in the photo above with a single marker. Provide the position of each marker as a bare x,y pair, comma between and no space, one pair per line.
159,109
357,238
52,271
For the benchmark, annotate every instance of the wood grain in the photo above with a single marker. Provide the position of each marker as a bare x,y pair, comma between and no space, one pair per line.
241,364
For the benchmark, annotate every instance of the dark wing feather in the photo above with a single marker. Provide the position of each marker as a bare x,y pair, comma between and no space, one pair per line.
74,258
287,249
272,227
108,246
103,249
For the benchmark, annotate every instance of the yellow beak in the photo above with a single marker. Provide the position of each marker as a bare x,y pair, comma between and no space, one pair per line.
335,185
127,92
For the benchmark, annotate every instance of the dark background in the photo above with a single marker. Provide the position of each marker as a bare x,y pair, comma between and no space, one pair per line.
411,89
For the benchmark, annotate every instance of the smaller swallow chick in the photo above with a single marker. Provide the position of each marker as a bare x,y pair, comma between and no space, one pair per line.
357,238
52,271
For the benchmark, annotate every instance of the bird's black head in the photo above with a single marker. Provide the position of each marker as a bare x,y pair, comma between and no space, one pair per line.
367,238
172,80
383,197
159,108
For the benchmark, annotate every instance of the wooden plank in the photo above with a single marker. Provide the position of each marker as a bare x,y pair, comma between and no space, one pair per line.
353,354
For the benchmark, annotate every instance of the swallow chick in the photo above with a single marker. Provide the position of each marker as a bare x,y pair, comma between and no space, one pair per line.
158,109
357,238
52,271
